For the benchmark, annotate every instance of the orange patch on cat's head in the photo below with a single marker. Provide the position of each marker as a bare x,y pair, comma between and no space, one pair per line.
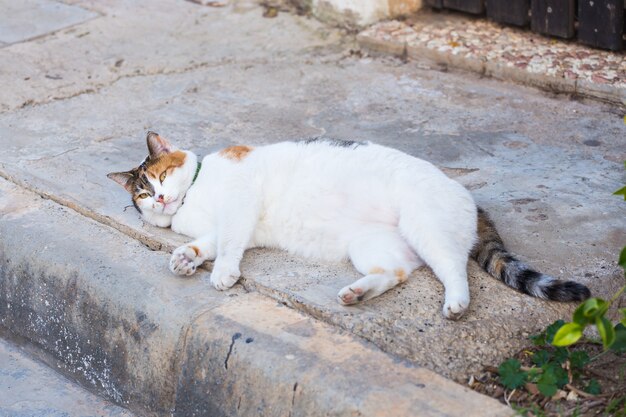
236,153
376,270
164,162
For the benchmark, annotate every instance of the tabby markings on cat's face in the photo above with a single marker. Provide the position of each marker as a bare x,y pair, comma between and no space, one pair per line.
137,184
159,184
165,176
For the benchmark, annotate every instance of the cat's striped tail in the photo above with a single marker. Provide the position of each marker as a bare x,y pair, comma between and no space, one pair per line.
492,256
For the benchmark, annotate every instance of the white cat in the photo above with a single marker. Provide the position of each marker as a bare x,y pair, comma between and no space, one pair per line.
386,211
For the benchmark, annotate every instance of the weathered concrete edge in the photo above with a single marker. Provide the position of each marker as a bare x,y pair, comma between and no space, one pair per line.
496,70
199,346
91,302
271,359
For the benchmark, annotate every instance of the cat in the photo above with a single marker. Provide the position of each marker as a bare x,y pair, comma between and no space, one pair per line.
387,211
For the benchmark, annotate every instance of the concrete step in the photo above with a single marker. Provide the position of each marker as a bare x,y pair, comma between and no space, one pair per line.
29,388
102,306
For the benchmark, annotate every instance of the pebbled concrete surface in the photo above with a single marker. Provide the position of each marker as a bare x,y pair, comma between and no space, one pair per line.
503,52
29,388
543,166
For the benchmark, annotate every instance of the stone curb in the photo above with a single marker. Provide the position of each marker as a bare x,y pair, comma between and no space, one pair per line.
99,306
494,69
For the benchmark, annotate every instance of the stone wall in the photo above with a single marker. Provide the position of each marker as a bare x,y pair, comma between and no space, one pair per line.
354,14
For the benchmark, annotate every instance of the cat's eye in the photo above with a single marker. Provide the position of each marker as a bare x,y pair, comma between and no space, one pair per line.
143,195
162,177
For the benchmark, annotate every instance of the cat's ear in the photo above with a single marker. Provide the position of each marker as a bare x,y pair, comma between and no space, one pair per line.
157,145
125,179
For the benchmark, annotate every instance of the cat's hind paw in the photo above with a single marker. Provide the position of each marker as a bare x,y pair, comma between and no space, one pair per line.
184,260
350,295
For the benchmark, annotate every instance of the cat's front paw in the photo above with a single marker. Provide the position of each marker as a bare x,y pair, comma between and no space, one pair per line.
223,277
184,260
454,308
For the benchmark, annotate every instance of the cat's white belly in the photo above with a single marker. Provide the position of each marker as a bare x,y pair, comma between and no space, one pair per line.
322,226
302,239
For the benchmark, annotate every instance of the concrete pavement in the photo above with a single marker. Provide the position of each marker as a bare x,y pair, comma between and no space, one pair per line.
29,388
76,105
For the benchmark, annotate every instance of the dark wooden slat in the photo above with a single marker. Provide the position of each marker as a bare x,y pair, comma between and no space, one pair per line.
553,17
512,12
437,4
601,23
470,6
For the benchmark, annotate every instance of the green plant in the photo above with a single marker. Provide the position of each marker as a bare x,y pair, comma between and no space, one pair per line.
556,366
549,373
533,410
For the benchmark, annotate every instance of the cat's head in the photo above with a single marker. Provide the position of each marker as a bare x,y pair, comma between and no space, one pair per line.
158,185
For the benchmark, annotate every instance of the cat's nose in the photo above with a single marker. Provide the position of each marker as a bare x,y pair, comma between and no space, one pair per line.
160,198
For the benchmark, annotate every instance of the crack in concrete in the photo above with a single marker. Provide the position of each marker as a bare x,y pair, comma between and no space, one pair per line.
53,156
230,349
56,31
293,398
310,53
97,88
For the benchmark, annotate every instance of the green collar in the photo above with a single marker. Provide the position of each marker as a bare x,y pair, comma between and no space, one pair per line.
197,172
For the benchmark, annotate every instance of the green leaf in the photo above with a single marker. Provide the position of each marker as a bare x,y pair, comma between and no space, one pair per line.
539,339
552,329
579,315
560,374
593,308
621,191
568,334
619,344
511,375
579,359
622,255
607,333
541,357
547,383
561,355
593,387
534,374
